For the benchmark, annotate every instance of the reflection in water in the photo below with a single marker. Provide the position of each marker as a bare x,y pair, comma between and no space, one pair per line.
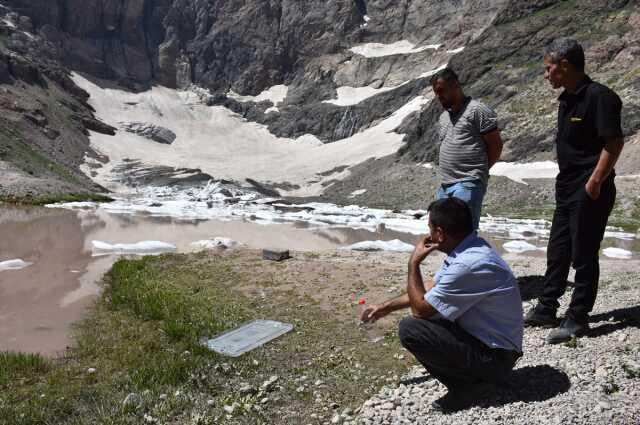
31,318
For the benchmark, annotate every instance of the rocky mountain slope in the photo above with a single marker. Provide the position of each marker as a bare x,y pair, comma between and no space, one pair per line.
333,81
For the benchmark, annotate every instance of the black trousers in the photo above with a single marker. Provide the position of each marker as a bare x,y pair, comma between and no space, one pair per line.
577,230
452,355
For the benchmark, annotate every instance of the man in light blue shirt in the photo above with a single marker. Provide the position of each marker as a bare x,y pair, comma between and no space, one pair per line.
466,325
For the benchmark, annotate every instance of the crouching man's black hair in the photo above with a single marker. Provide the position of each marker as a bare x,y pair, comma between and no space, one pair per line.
452,215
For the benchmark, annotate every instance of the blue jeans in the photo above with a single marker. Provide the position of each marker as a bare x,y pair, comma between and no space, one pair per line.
470,191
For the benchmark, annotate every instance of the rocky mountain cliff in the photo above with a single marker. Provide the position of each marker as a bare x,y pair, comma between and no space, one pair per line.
237,49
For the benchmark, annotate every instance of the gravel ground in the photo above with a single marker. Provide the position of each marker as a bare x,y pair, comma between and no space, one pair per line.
594,381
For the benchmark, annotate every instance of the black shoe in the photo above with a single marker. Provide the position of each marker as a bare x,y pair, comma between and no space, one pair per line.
456,399
568,329
541,316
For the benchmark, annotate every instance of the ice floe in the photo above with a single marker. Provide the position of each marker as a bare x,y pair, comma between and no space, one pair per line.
402,47
217,202
215,243
519,246
612,252
394,245
15,264
138,248
73,205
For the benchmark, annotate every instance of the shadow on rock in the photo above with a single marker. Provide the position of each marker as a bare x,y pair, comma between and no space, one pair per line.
616,319
529,384
531,286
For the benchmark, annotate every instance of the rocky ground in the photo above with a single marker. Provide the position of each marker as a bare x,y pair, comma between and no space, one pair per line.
593,380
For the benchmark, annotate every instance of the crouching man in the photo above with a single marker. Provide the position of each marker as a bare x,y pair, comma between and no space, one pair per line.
466,324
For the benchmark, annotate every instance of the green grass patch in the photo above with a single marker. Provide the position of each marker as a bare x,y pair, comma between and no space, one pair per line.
52,199
143,336
16,151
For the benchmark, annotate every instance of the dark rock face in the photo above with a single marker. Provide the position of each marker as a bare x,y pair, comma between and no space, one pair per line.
250,45
150,131
90,123
503,66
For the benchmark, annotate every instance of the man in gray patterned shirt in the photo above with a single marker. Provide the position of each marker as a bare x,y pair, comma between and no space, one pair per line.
470,143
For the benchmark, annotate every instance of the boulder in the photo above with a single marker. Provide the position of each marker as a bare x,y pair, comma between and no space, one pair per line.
275,254
151,131
98,126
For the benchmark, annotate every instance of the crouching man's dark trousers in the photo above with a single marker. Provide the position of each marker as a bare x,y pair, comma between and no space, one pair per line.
578,226
453,356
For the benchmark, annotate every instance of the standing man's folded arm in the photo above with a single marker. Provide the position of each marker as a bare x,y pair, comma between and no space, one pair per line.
608,126
494,146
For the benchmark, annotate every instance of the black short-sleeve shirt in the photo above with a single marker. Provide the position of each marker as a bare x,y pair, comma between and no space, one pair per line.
587,118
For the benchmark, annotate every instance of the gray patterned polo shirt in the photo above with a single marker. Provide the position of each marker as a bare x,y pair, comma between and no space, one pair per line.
463,152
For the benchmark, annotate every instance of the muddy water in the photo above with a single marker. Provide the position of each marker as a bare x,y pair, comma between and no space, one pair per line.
38,304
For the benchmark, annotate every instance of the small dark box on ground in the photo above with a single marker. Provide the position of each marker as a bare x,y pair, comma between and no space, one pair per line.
275,254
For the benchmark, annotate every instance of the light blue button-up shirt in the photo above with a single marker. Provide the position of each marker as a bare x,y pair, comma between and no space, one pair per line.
476,289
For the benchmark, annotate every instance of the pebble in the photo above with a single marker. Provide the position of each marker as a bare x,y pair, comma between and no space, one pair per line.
132,400
268,384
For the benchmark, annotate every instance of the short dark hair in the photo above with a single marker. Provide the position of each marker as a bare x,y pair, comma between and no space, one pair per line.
446,74
453,215
566,48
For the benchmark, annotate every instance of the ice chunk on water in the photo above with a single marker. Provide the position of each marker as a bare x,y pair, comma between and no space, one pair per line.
215,243
394,245
617,253
139,248
519,246
16,264
85,205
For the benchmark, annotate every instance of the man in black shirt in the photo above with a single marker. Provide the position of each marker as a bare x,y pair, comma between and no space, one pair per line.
588,142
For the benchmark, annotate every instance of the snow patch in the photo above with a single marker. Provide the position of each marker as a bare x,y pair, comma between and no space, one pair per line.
223,144
348,96
454,51
138,248
402,47
433,71
520,171
394,245
357,193
275,95
617,253
9,23
16,264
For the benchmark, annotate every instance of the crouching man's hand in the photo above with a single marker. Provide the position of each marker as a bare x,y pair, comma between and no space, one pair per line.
424,247
374,312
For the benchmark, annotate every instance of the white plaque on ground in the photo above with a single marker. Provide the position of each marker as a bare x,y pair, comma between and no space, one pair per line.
248,336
